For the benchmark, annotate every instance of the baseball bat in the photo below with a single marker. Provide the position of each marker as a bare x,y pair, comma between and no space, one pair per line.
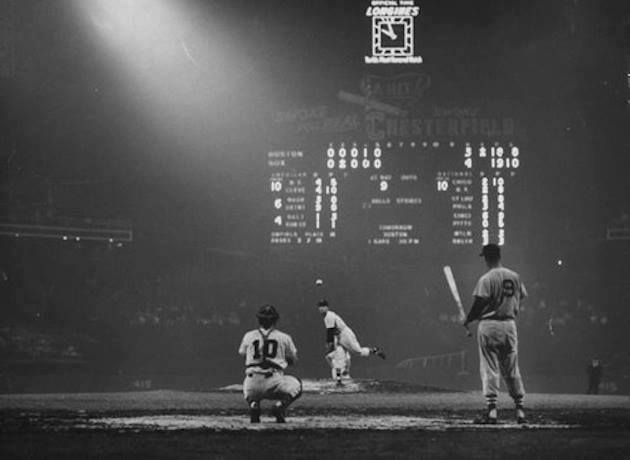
450,279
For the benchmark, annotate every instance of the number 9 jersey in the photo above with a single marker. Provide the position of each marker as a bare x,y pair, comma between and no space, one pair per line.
267,349
504,290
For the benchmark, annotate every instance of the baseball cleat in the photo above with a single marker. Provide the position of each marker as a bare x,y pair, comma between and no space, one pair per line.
487,418
378,352
339,384
278,412
254,412
520,416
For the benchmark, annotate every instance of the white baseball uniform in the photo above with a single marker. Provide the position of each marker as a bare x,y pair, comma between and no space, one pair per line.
267,354
339,360
497,335
346,336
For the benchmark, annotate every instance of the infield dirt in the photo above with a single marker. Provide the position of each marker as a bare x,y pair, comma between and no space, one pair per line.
391,421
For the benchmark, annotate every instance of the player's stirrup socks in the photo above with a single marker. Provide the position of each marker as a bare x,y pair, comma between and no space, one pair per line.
254,412
278,412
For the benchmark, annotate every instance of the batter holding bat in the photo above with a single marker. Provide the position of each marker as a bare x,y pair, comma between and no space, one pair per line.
498,296
450,279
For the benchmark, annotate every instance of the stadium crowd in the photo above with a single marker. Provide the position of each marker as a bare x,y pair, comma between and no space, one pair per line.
91,303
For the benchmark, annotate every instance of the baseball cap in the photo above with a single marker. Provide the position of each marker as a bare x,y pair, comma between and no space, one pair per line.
268,311
322,303
491,250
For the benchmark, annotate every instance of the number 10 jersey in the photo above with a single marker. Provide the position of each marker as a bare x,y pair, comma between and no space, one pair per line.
266,350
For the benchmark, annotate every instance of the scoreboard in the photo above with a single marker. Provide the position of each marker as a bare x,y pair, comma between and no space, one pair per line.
405,194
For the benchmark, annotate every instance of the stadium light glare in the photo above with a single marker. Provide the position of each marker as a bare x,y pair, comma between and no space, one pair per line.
180,66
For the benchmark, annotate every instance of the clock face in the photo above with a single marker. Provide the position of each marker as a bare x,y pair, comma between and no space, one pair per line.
392,36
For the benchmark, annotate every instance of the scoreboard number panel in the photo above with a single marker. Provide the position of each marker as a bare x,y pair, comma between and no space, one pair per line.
412,194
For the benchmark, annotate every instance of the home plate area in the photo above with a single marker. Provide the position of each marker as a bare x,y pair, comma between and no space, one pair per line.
297,420
318,422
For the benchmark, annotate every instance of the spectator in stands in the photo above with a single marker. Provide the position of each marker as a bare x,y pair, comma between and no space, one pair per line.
594,371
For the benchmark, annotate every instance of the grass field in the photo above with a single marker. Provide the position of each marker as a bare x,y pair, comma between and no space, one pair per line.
382,420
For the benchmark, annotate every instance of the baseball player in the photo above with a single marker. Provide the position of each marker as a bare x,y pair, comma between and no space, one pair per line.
339,360
498,296
267,353
337,328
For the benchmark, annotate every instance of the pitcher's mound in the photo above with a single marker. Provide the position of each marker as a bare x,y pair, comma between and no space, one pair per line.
355,386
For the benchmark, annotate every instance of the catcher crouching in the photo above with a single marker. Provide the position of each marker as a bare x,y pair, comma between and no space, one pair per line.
268,352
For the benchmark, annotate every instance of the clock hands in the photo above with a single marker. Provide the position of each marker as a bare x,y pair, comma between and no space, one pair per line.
389,31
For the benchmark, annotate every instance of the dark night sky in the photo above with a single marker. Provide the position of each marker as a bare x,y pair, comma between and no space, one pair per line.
75,117
161,113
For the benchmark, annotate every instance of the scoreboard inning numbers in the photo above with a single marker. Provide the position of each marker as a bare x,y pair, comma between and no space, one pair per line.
392,194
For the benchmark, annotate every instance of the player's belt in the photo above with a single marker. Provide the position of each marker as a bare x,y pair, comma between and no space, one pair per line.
496,318
266,365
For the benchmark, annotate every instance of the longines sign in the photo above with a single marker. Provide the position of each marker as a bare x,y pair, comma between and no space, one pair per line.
393,32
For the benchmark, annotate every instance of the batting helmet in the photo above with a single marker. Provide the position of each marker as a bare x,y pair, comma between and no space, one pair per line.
322,303
268,311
